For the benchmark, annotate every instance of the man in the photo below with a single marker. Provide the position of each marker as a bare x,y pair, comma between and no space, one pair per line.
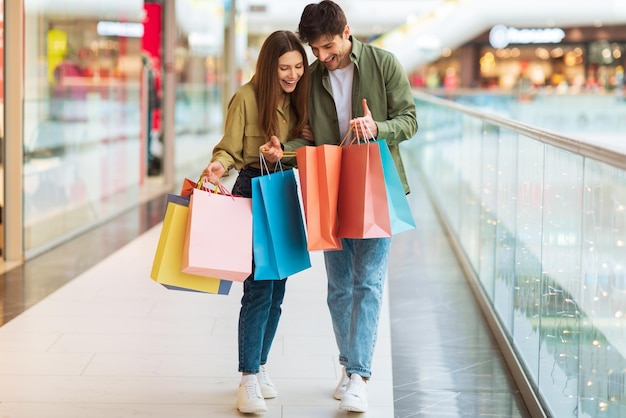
358,85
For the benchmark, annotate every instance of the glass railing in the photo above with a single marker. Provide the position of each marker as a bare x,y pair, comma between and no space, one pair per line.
539,222
598,118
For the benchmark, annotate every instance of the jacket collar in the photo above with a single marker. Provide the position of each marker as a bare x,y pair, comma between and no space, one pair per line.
357,47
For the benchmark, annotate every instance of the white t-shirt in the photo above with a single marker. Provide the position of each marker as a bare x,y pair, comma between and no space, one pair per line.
341,84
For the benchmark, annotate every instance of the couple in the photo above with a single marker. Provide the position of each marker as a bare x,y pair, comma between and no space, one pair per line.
286,105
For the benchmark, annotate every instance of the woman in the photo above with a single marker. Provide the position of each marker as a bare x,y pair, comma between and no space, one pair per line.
270,111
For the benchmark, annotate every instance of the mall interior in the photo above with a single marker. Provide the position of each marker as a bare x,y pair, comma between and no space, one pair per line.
508,298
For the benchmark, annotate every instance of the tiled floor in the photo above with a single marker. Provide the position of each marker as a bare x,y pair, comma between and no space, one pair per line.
445,361
111,343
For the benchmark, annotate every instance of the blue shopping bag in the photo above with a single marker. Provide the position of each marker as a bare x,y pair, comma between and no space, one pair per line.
400,215
279,240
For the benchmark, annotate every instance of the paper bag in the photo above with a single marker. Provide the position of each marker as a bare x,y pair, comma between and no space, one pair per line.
280,244
166,266
218,241
318,171
363,211
400,214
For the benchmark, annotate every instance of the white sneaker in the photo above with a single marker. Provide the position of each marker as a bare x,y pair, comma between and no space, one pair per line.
267,387
249,397
355,397
341,386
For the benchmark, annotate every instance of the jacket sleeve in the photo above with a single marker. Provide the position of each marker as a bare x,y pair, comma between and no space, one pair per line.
295,143
401,123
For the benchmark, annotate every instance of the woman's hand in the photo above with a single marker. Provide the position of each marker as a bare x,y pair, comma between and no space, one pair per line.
272,151
213,172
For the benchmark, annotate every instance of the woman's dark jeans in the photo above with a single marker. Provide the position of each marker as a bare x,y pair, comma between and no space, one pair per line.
260,304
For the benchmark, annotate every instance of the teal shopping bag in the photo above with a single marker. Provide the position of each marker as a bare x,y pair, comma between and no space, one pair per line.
280,245
400,215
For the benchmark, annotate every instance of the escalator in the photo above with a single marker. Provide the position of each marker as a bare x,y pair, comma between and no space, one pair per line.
456,22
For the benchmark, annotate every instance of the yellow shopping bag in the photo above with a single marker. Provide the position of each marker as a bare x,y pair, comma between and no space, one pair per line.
166,267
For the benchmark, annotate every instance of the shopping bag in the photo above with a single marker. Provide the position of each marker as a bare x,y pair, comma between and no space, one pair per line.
218,240
189,185
318,171
280,244
178,199
400,215
362,206
166,266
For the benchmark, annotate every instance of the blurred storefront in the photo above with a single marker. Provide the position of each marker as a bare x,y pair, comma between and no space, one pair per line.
81,115
553,59
94,83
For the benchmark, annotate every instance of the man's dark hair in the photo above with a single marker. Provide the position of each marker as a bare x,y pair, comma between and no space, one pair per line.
325,18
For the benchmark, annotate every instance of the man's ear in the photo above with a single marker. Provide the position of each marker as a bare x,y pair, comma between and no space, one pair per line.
346,32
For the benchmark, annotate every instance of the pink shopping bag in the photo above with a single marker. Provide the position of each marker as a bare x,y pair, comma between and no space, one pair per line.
218,241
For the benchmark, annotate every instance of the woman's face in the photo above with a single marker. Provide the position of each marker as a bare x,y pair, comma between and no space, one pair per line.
290,69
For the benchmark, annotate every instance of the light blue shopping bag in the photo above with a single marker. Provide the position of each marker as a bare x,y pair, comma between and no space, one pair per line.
400,215
278,235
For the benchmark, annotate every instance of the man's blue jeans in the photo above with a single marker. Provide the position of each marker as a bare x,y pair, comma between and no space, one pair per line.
260,304
356,276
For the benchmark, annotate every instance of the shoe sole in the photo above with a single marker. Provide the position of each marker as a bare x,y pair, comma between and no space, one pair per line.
346,405
352,408
269,394
251,410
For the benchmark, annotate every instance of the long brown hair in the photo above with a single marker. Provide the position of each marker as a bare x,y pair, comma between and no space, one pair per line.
267,84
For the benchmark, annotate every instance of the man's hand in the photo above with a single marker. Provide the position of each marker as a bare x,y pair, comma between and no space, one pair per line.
365,127
307,133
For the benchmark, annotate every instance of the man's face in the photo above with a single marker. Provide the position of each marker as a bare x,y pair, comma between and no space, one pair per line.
333,52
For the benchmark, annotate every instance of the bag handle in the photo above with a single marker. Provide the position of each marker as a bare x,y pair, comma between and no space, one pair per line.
357,139
345,137
263,164
200,184
218,189
367,130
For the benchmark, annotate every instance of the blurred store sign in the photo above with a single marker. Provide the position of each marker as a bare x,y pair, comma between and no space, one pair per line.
203,21
429,46
129,9
501,36
125,29
203,44
57,50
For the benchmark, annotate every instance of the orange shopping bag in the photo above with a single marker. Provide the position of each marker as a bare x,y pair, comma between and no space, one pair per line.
189,185
318,171
363,210
218,241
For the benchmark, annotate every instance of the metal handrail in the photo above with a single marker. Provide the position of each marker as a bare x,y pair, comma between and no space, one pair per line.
576,146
